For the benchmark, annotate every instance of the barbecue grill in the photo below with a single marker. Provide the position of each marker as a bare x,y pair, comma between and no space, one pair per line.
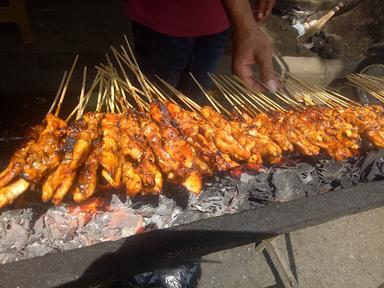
110,237
258,215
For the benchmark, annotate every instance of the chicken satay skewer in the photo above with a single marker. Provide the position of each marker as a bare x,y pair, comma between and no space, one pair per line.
238,96
258,95
9,193
186,100
128,82
229,96
180,151
232,92
132,64
85,131
330,93
80,107
310,91
354,80
245,95
205,93
18,161
277,94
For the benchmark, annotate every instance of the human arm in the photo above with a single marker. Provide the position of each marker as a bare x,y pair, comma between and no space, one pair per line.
250,45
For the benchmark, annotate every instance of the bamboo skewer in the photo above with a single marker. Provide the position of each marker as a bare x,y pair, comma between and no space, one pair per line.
58,93
231,97
82,92
325,92
66,86
80,107
364,82
259,97
99,95
130,86
135,68
189,102
256,94
307,91
278,95
244,95
205,93
122,84
224,92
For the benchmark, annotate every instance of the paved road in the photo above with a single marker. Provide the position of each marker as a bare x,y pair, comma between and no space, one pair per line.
344,253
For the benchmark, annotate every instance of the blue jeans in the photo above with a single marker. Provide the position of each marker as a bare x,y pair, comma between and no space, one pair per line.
172,58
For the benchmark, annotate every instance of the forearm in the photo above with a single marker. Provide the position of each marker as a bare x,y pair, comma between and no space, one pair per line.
240,14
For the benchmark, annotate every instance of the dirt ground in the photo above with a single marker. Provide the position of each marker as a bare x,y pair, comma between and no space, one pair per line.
351,33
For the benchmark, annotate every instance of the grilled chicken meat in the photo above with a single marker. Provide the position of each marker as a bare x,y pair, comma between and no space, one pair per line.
135,151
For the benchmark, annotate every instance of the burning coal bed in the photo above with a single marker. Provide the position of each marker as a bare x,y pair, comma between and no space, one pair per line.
41,229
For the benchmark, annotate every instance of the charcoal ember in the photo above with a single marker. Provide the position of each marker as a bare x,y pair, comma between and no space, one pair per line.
122,223
312,185
211,206
16,238
288,185
304,168
380,164
234,200
348,181
117,202
259,181
162,215
38,227
165,206
8,256
332,169
371,166
327,187
257,187
37,249
220,196
61,226
188,216
93,232
19,216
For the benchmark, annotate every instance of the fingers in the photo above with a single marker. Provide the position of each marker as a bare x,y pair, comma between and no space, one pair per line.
267,75
260,12
245,73
268,9
264,9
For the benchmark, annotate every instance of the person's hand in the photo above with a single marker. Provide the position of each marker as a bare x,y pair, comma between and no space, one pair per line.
251,46
263,9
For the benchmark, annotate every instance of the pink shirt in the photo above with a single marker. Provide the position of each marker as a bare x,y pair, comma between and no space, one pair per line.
182,18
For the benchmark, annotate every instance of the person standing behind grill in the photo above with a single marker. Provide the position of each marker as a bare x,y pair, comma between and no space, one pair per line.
175,37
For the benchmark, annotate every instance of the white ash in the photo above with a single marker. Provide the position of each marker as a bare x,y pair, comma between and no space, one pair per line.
56,230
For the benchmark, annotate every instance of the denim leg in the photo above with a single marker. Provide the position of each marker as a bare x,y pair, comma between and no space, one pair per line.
205,58
160,54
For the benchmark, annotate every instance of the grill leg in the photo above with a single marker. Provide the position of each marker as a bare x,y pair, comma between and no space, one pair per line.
285,273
